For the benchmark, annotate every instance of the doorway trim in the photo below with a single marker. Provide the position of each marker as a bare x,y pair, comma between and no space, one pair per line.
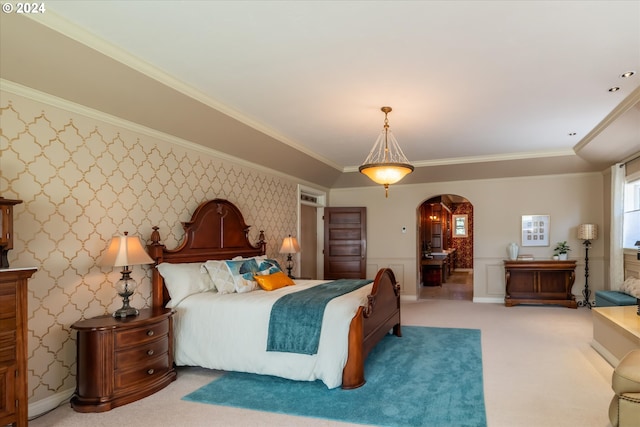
313,197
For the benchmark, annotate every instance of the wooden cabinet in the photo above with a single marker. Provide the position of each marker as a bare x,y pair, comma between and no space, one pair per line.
540,282
13,345
121,360
6,229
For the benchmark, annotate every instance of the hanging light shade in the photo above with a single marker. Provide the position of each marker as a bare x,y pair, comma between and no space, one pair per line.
386,164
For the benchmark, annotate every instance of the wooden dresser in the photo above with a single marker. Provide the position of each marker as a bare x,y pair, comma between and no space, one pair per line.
13,345
121,360
540,282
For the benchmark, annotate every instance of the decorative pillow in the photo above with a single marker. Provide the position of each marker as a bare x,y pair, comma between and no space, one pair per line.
242,272
631,286
220,276
273,281
269,266
183,280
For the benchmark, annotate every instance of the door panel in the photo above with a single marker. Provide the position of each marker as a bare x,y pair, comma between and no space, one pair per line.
345,243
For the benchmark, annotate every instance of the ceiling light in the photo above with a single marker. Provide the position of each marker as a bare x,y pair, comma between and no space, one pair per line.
627,74
614,89
572,134
386,164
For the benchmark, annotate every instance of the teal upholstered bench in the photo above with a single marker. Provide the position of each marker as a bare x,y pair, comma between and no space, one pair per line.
613,298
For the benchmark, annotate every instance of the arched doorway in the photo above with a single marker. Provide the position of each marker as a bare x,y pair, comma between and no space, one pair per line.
445,248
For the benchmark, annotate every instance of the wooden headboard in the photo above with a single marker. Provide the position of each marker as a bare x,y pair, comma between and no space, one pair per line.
216,231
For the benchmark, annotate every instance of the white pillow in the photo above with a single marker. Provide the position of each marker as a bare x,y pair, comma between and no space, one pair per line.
220,276
183,280
631,286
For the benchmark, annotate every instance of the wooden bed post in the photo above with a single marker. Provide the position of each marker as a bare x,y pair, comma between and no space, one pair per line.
156,250
353,372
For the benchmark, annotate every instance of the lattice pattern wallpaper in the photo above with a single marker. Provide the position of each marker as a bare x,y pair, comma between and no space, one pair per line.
84,180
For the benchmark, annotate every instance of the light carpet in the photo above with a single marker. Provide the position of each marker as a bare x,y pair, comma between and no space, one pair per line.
428,377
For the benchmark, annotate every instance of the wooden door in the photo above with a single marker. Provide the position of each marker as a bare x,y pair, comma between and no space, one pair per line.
345,243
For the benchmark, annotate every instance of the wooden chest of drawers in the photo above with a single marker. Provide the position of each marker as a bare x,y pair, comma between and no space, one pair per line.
121,360
13,345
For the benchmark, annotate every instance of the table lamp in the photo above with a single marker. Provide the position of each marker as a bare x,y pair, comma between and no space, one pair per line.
289,246
125,251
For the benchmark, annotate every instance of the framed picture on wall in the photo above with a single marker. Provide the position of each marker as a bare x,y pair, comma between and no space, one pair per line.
535,230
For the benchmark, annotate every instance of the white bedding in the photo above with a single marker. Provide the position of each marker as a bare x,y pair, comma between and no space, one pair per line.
229,332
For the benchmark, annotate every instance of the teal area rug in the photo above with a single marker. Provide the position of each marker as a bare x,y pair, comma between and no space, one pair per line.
428,377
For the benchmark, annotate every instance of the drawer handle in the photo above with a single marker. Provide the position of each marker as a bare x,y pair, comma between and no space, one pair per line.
150,371
150,352
150,333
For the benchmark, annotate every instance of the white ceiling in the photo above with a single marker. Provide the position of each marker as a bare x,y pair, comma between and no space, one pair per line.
468,81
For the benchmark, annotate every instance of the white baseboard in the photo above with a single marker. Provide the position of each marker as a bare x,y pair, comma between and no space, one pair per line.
606,354
49,403
489,300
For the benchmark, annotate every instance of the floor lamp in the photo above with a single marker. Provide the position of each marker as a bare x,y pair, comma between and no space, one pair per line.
587,233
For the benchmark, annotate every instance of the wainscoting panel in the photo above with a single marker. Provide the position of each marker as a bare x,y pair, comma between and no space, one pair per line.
398,271
495,284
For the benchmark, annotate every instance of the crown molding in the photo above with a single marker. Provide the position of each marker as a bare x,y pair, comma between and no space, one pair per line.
485,159
628,103
72,107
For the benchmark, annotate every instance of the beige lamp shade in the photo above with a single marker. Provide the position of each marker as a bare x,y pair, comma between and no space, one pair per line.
289,246
386,173
588,231
124,251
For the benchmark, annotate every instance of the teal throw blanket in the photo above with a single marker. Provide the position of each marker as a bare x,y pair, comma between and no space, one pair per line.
296,319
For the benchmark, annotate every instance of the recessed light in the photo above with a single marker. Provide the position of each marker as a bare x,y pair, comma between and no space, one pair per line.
572,134
627,74
614,89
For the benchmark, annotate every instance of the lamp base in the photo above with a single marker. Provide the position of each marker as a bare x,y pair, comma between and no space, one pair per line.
124,312
126,309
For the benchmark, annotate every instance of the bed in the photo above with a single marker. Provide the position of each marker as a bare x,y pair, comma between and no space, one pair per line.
353,323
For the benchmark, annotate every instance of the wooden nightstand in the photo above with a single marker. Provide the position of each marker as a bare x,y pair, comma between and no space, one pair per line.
121,360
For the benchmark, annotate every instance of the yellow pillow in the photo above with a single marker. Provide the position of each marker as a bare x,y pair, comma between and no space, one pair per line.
273,281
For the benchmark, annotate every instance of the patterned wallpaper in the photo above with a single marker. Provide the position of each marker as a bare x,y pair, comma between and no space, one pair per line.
84,179
464,245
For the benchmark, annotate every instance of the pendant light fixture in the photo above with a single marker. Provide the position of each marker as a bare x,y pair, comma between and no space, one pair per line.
386,164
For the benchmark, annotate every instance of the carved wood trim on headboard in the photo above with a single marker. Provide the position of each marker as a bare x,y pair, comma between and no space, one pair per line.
216,231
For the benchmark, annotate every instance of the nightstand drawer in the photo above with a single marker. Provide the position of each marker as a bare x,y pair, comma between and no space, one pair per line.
145,372
137,336
140,354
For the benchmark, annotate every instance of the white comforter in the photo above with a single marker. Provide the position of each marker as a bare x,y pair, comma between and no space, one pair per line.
229,332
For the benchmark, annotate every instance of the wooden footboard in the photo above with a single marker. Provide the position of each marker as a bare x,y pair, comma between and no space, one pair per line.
371,324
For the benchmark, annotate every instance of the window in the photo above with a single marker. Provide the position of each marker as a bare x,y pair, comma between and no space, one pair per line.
631,221
460,226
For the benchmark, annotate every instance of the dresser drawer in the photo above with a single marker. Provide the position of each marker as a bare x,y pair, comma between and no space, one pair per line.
143,373
126,338
8,346
139,354
8,304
